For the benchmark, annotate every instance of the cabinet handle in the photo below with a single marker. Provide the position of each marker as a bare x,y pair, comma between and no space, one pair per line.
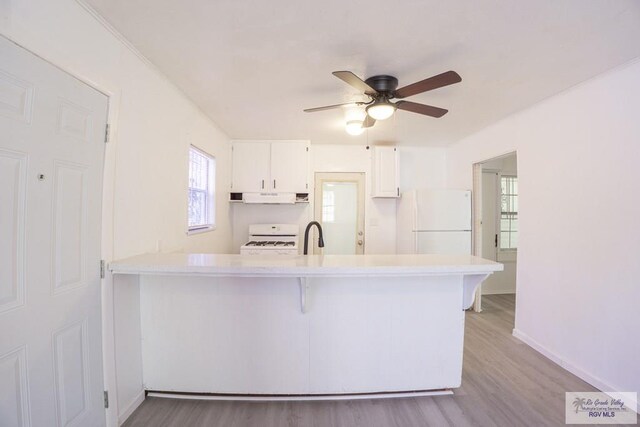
263,184
274,184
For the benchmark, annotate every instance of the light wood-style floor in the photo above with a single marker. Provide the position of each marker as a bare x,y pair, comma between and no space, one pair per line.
504,383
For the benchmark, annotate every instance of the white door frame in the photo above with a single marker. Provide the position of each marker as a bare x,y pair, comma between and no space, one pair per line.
476,195
357,177
108,196
476,203
481,228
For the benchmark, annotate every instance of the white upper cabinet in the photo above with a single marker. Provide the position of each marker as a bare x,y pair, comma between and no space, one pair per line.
278,166
290,167
250,163
385,177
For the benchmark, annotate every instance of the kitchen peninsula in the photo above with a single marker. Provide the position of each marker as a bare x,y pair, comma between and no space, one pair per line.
305,327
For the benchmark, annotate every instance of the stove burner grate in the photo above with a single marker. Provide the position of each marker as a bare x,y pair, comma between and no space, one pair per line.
270,243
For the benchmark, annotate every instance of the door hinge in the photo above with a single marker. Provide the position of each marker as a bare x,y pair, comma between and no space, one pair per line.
495,242
106,399
102,265
307,148
398,191
106,133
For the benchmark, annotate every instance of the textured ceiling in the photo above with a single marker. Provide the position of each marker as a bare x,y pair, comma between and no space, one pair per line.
253,66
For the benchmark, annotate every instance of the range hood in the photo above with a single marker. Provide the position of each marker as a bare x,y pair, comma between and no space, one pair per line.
269,198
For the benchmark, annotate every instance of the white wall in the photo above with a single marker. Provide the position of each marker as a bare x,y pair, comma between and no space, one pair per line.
152,125
146,161
422,168
419,168
579,182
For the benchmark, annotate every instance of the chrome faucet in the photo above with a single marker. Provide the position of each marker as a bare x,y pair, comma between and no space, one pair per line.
306,236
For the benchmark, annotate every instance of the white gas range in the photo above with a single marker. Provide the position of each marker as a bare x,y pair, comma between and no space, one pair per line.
271,239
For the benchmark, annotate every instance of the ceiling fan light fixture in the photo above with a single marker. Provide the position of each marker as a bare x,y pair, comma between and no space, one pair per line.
354,127
381,110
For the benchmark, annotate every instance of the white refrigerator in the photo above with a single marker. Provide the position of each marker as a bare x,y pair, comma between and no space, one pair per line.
434,222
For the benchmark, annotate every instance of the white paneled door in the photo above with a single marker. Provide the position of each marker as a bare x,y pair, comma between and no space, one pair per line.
339,199
52,130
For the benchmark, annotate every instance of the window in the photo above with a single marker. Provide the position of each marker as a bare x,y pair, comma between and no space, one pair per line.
508,212
328,204
202,172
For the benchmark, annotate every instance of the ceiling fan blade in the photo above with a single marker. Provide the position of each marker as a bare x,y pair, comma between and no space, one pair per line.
427,110
355,81
435,82
330,107
368,122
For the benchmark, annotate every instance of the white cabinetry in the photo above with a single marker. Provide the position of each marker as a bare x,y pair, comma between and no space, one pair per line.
275,166
385,177
290,167
250,163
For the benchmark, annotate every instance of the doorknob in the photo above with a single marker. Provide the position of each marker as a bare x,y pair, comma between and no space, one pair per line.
359,242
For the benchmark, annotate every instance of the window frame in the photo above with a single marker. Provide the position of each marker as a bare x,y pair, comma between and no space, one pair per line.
210,192
499,213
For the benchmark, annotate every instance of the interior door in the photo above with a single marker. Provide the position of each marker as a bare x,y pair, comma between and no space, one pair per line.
250,167
289,167
51,163
339,207
489,215
490,181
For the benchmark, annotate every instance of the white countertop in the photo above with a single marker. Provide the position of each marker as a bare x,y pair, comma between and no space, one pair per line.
303,265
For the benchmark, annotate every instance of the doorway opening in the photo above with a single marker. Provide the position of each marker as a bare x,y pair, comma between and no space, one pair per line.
339,206
496,223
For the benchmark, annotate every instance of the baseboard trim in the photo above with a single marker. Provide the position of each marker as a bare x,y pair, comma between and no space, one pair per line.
569,366
293,397
137,401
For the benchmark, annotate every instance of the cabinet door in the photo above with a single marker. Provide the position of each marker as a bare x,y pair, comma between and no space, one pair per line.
250,162
289,167
385,172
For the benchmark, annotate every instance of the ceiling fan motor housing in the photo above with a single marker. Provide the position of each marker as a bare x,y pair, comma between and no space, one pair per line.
383,84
